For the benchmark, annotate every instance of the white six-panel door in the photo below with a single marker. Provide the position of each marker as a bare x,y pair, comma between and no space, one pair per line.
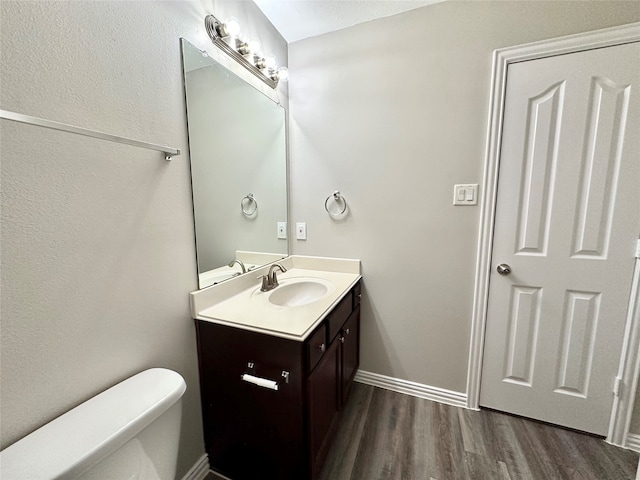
567,223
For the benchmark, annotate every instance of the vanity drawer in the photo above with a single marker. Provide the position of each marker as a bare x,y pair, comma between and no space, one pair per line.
316,346
339,315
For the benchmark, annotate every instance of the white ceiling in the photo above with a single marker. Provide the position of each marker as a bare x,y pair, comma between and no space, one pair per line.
298,19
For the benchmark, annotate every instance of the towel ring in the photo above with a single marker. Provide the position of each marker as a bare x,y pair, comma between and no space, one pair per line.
245,205
338,199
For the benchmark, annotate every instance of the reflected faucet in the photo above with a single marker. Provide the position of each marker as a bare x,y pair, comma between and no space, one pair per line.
239,262
270,281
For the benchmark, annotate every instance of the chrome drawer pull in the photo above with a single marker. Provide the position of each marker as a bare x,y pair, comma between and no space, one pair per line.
322,347
261,382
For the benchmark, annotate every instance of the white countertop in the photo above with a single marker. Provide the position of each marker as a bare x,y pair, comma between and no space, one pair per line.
239,302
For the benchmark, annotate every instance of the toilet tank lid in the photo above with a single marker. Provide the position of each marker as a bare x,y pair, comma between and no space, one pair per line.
79,439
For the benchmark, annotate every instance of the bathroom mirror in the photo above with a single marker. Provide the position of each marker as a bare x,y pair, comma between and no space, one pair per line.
237,146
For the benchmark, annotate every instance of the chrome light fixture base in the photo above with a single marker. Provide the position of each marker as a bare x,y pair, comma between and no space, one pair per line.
214,28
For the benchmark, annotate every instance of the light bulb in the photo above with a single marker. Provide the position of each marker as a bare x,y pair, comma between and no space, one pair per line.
283,74
255,45
232,26
270,61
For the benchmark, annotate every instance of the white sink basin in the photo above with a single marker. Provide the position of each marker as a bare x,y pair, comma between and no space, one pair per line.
295,292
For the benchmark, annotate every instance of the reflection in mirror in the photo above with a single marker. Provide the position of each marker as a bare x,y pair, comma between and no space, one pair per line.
237,149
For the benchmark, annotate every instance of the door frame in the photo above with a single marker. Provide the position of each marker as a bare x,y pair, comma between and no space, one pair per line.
630,355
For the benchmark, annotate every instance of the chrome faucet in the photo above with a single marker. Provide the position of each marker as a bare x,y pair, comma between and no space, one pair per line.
270,281
239,262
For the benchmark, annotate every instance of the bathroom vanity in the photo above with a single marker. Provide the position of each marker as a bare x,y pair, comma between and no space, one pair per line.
276,368
275,365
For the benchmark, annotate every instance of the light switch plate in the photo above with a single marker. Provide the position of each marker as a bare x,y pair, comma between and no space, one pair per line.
301,231
282,230
465,194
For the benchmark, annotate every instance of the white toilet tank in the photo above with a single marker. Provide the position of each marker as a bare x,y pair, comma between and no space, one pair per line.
130,431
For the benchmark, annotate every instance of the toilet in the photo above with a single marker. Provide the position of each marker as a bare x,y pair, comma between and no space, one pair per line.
130,432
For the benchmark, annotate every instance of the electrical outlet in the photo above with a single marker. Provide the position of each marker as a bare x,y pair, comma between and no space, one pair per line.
282,230
301,231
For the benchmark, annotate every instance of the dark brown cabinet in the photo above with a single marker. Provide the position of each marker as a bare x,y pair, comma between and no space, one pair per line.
282,430
350,345
323,404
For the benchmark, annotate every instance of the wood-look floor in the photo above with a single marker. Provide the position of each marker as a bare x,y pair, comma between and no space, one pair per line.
387,435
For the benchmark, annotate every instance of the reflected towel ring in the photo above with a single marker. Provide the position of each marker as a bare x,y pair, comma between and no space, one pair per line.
338,199
245,205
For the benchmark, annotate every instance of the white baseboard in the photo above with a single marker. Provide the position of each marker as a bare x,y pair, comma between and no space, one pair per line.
199,470
436,394
633,442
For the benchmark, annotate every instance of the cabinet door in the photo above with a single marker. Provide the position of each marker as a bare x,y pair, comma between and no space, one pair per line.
324,404
251,432
350,339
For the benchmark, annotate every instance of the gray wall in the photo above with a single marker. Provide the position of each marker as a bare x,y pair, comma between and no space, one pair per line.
98,253
393,113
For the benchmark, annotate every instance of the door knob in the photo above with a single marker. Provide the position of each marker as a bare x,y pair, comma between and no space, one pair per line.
504,269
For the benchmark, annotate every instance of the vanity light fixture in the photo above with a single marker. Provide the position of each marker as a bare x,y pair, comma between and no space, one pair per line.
227,36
